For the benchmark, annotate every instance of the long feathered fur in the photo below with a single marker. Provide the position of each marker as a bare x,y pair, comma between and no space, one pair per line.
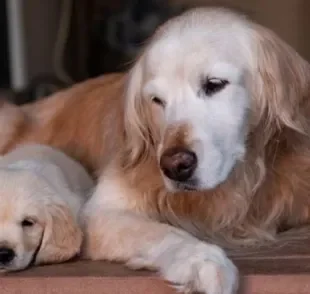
267,193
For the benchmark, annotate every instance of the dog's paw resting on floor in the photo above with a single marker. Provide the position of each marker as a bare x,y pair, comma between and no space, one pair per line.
41,193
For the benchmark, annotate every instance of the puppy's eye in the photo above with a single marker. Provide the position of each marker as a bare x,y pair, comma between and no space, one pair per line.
27,223
158,101
212,86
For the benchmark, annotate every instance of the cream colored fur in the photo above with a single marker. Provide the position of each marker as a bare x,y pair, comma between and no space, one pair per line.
41,185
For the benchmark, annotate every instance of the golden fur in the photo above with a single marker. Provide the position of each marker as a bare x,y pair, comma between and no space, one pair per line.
267,193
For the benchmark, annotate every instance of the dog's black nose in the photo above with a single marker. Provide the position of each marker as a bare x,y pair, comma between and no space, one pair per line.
6,255
178,164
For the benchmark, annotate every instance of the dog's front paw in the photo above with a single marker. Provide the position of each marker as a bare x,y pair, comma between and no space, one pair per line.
202,268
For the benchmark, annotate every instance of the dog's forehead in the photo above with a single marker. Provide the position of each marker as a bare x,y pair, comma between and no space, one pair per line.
13,209
16,194
200,37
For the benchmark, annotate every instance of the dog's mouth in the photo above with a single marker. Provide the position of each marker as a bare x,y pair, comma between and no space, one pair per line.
7,269
4,268
18,264
188,186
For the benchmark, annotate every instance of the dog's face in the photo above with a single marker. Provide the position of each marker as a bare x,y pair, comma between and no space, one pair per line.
192,79
36,225
21,221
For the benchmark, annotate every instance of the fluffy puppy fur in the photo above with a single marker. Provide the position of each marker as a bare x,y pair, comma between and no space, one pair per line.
218,86
41,193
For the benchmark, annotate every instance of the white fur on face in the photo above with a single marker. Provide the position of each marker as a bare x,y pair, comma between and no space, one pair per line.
184,55
18,204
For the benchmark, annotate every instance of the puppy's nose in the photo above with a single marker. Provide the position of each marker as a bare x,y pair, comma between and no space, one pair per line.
6,255
178,164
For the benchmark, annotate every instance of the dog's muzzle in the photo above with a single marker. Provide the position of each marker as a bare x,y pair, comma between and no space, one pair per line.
6,255
178,164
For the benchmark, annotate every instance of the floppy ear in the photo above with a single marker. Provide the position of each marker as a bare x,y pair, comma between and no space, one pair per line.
283,82
140,129
62,236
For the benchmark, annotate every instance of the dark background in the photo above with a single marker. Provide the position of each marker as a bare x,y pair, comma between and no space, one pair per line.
4,68
106,36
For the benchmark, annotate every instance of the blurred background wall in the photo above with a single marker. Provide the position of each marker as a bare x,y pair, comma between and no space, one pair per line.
41,19
65,41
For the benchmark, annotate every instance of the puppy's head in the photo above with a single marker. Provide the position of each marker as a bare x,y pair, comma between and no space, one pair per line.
34,226
200,87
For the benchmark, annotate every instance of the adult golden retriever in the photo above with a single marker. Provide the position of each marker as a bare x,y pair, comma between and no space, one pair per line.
209,139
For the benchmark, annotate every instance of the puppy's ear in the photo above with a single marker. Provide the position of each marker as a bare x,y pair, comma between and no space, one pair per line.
283,82
62,235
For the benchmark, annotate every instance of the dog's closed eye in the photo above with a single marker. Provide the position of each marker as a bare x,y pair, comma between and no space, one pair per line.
26,223
158,101
213,85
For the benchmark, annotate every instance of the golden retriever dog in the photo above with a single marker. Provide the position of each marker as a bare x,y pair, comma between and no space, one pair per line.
41,193
206,138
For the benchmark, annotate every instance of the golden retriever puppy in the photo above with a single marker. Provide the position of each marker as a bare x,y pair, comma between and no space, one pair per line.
41,193
207,138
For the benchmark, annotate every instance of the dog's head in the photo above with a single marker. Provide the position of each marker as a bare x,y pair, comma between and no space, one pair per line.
205,82
35,226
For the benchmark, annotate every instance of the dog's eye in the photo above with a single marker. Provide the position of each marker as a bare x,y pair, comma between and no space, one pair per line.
27,223
158,101
212,86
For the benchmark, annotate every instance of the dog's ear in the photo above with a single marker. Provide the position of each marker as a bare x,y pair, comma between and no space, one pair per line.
283,81
140,128
62,235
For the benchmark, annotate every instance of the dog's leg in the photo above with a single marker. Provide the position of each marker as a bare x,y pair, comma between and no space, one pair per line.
118,235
